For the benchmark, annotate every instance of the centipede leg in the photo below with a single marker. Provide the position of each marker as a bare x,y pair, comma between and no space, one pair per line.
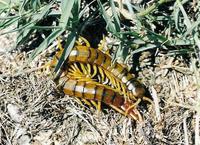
86,102
85,72
124,91
122,112
102,74
74,69
112,81
95,71
132,106
118,87
89,68
59,45
77,74
97,105
117,109
78,43
79,101
85,41
101,46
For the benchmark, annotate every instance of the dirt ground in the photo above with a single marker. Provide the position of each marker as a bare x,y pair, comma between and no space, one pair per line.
33,112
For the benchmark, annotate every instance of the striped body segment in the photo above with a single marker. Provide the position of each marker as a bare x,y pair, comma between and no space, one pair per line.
93,56
98,92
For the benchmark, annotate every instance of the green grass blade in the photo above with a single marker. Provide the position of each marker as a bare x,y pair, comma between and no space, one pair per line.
144,48
67,49
9,22
46,43
189,24
66,7
110,25
4,4
193,26
116,17
186,19
25,32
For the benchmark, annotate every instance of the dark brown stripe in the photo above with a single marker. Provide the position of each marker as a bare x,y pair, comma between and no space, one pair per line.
103,95
97,55
57,57
113,98
123,73
74,89
104,59
89,51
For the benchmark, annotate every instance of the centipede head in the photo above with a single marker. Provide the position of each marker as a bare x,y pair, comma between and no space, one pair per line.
133,112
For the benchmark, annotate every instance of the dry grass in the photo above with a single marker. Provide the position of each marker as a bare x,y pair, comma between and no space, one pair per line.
33,112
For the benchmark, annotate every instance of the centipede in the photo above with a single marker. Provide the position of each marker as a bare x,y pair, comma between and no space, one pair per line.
94,91
91,69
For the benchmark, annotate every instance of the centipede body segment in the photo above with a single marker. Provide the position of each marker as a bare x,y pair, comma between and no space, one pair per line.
97,92
92,56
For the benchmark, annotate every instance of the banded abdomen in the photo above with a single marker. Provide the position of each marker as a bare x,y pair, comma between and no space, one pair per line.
97,92
81,71
85,54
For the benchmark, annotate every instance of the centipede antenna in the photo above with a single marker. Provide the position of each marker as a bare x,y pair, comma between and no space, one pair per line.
59,45
147,99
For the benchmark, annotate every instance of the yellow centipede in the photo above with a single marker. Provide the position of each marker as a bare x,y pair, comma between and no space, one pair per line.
86,65
97,92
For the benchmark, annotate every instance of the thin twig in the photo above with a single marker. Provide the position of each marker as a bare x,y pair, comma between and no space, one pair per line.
156,102
27,71
185,131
